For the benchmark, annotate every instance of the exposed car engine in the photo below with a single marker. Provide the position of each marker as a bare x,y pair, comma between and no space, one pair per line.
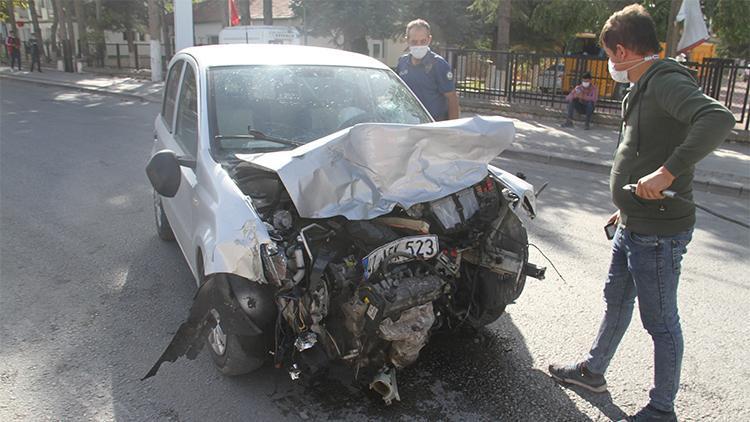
370,293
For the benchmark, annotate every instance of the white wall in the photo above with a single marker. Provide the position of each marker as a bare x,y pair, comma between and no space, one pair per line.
389,53
204,31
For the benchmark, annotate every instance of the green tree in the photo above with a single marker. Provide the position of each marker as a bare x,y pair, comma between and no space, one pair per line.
453,23
730,21
347,22
129,17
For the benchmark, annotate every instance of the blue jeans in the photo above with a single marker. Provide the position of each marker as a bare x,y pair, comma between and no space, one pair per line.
583,107
646,266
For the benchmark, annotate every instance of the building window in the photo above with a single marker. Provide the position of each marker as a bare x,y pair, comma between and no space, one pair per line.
377,49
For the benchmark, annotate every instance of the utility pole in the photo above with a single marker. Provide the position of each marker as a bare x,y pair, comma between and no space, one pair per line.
154,33
244,6
268,12
183,24
83,48
672,32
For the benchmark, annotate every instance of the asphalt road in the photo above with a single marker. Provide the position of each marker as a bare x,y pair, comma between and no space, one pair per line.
89,297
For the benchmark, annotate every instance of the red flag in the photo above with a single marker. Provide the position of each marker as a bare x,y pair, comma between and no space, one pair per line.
234,17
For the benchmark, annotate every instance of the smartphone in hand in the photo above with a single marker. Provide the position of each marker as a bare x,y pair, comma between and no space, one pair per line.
610,230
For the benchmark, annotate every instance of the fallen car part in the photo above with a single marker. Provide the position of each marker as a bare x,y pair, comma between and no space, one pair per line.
385,384
244,308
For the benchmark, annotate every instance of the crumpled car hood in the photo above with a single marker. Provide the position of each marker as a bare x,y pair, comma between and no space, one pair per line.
364,171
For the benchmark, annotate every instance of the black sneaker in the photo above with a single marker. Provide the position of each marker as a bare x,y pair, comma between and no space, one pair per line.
587,127
578,374
567,123
651,414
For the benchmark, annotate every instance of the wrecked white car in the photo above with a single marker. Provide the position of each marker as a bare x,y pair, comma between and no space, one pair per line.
325,217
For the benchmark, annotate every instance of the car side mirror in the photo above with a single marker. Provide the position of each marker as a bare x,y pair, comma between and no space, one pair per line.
163,171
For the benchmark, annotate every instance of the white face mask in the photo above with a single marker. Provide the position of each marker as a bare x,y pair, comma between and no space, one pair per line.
586,84
621,76
419,51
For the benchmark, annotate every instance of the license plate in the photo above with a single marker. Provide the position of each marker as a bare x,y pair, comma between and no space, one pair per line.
425,247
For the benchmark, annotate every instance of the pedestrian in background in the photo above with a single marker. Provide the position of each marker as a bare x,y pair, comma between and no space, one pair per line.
35,53
582,99
427,74
13,45
669,125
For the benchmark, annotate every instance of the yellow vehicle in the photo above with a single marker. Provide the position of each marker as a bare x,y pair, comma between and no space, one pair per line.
583,54
697,54
587,57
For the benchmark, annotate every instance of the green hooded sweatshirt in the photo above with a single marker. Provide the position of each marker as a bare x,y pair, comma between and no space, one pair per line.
667,120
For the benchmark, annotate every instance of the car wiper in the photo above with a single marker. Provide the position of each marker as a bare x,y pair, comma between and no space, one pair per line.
260,136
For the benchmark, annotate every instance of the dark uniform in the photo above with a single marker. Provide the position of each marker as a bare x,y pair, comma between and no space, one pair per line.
35,55
429,80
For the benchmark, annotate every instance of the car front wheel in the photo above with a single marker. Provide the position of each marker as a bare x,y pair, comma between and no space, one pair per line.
163,229
232,354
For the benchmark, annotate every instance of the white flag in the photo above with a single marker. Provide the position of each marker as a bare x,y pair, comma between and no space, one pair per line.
694,32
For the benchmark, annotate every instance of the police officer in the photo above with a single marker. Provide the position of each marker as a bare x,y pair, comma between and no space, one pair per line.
428,74
35,53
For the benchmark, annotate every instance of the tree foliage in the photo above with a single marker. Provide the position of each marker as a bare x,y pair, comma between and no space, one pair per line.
18,4
347,22
730,20
453,23
120,15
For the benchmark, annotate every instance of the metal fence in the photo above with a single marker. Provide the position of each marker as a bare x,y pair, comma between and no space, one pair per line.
545,79
115,55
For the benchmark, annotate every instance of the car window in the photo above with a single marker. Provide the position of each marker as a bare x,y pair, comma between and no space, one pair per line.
170,95
304,103
187,114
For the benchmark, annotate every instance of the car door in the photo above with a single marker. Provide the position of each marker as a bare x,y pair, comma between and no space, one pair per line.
183,140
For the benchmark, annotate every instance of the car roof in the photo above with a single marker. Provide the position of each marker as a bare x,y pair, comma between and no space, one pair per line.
276,54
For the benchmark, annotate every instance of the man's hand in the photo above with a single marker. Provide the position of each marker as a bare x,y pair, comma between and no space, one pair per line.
651,186
614,218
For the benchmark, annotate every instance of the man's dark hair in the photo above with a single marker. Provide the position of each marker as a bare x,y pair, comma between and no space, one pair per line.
633,28
586,75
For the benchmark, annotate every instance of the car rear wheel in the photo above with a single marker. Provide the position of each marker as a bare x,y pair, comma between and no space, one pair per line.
163,229
232,354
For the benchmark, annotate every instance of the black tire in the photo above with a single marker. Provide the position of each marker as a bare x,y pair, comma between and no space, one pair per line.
163,229
240,355
492,292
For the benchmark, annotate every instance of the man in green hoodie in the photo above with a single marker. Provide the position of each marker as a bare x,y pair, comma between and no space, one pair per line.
668,126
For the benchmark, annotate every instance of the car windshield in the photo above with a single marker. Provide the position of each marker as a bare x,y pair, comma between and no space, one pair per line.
259,107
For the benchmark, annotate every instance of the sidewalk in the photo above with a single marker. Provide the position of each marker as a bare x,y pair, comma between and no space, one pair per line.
92,82
725,171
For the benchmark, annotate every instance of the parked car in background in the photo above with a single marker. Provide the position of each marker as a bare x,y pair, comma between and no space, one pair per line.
551,79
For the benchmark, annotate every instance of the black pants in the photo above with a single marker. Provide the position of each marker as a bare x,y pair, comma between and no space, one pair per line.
15,57
583,107
35,59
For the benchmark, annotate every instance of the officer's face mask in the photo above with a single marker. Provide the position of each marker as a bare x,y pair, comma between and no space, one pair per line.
419,51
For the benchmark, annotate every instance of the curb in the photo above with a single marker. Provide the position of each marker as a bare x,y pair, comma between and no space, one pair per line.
700,184
69,85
